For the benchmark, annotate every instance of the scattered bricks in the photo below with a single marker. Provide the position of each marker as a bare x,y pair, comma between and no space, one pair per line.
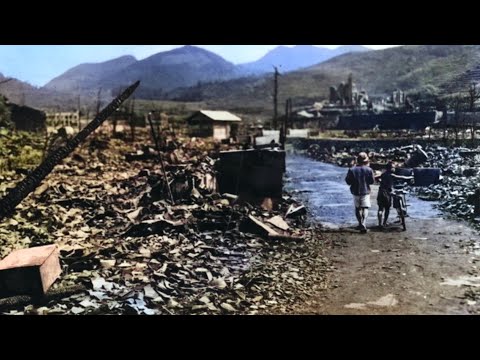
29,271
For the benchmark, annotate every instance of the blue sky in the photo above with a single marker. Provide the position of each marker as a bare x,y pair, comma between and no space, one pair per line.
38,64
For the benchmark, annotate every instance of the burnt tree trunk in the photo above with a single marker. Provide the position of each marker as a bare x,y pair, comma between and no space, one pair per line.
32,181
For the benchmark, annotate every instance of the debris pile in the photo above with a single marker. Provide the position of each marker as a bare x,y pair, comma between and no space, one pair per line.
457,192
136,252
409,156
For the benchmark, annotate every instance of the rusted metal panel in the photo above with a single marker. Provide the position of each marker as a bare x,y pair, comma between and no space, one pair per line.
254,226
29,271
255,172
426,176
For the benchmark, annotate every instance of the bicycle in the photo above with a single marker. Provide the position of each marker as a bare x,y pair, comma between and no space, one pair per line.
399,202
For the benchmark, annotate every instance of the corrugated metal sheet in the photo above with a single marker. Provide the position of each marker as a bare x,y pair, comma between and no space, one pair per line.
299,133
305,114
220,115
268,136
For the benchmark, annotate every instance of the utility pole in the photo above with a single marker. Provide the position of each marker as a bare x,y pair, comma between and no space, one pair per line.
79,117
98,101
275,98
284,127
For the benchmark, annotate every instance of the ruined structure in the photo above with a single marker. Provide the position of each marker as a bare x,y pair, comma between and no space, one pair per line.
350,109
62,119
26,118
346,94
398,98
21,117
220,125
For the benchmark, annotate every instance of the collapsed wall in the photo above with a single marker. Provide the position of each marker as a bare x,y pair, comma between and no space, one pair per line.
26,118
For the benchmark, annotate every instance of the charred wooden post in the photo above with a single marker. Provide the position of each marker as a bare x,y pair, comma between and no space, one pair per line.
157,145
32,181
286,120
57,294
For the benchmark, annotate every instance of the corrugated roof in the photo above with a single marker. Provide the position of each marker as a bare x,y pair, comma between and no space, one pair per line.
220,115
305,114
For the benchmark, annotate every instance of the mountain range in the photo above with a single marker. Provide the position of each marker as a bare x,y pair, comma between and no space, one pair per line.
412,68
183,67
193,74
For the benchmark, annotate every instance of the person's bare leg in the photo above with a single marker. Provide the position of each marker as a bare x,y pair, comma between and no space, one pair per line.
359,216
364,217
387,212
380,216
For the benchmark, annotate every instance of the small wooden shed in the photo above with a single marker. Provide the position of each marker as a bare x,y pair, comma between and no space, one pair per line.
220,125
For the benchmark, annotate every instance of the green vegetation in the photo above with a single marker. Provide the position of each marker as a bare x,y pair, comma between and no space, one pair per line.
20,150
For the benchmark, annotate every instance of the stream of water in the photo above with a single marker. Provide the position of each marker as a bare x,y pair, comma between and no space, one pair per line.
322,188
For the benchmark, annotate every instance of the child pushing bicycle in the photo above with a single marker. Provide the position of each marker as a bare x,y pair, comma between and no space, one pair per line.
384,198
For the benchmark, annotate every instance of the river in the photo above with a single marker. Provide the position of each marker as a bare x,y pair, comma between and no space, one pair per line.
322,188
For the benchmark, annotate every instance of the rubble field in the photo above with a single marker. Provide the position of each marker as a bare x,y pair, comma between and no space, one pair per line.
125,248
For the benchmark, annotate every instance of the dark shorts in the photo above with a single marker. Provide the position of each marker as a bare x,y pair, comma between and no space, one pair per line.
384,199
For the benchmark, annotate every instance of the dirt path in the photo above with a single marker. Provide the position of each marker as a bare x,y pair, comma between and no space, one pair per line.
396,272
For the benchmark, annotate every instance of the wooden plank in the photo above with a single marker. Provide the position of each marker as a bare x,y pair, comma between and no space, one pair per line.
29,271
254,226
285,237
278,222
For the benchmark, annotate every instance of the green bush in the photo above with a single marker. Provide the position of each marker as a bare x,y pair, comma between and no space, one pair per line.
5,121
20,150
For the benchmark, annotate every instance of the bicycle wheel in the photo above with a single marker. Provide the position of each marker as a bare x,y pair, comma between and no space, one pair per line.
401,213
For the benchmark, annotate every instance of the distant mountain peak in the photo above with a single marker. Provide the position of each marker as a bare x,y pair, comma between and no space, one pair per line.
297,57
159,73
